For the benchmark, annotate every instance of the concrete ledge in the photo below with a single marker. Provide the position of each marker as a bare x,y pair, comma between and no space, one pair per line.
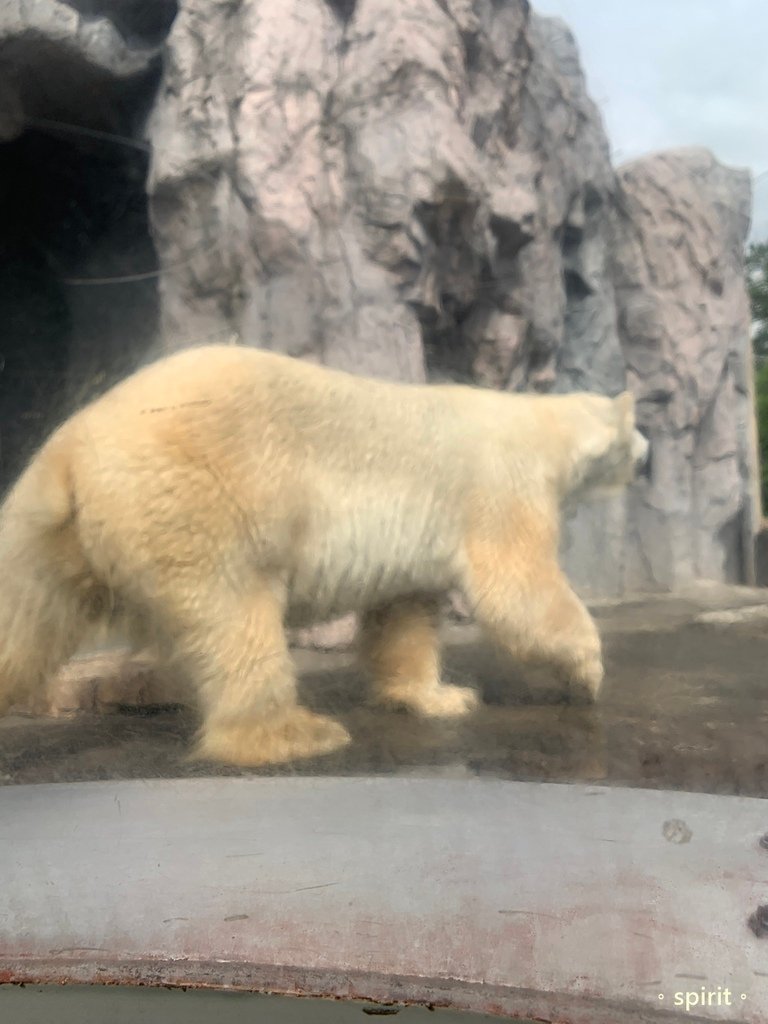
569,903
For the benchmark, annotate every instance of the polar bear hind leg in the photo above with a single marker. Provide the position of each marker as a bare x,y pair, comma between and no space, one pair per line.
399,645
232,646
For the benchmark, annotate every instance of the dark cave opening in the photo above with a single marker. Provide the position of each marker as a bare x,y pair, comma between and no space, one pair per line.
139,23
78,287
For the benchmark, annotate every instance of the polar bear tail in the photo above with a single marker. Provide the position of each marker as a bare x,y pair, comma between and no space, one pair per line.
47,592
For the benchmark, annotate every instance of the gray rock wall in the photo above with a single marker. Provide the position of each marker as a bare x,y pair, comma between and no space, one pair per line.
680,228
420,189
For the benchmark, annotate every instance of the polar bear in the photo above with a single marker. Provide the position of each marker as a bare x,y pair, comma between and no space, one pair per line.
224,493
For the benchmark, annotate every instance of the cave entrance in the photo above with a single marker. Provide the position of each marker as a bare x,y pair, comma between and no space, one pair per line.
78,292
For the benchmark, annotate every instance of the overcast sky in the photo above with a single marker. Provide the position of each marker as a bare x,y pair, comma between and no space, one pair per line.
677,73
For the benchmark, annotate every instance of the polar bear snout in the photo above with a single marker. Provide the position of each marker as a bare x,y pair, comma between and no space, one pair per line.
641,453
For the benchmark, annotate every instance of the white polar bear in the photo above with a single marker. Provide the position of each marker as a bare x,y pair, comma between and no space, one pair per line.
224,493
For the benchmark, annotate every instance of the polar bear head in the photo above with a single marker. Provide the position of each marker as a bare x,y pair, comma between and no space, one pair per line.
606,450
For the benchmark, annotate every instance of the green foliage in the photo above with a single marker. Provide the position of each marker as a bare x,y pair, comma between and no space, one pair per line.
757,283
761,393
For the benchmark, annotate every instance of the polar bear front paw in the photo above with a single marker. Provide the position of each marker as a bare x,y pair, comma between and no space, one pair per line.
585,679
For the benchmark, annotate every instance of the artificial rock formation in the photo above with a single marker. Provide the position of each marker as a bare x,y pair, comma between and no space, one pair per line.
421,190
412,189
680,227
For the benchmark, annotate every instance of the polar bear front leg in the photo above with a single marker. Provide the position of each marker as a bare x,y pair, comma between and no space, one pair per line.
399,646
522,598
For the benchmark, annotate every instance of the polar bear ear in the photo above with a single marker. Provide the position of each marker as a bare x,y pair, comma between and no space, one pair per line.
625,406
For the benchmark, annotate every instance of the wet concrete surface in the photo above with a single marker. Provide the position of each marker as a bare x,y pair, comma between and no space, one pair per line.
685,706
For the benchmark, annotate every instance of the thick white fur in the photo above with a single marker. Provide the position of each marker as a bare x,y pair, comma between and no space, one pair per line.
224,492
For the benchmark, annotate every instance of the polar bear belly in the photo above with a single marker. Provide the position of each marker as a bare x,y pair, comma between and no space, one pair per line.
361,550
